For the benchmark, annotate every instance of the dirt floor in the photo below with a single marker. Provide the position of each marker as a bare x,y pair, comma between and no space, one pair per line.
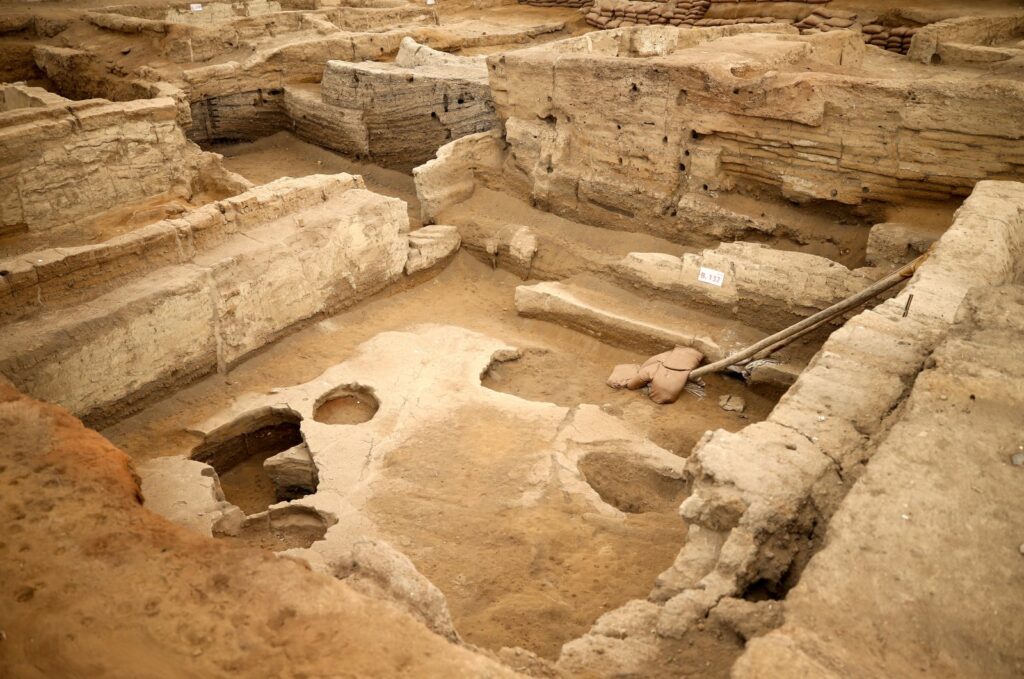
285,155
534,578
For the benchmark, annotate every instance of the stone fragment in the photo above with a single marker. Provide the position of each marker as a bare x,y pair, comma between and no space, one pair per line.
732,403
292,472
893,244
523,247
748,619
188,493
430,246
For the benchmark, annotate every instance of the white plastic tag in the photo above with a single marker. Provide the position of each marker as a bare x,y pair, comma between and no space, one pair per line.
711,277
431,2
196,7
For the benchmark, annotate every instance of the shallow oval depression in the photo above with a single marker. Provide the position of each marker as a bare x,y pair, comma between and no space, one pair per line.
348,404
568,379
239,453
630,486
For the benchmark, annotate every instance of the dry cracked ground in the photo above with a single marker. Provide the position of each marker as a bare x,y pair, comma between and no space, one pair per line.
307,309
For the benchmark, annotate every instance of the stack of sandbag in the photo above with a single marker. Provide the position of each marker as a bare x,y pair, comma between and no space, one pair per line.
894,39
665,375
557,3
823,20
673,13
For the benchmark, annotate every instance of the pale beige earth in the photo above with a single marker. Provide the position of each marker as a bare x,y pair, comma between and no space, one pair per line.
529,563
335,288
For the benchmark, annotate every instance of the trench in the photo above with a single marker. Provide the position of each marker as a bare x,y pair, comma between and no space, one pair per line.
478,500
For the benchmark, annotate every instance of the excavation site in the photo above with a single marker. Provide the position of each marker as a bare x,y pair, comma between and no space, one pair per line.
512,338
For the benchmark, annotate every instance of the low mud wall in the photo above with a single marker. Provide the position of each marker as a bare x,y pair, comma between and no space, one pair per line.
183,39
251,267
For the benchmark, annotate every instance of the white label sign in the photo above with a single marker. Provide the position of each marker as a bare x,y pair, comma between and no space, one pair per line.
431,2
711,277
196,7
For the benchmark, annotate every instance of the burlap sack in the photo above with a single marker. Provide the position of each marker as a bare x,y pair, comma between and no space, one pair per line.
671,372
622,374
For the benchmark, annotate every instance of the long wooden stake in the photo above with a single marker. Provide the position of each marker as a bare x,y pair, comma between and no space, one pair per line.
783,337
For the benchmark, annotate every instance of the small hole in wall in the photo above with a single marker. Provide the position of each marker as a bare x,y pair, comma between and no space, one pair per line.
735,90
664,140
634,88
620,161
765,590
694,134
618,127
686,152
866,189
433,114
550,169
682,167
460,100
5,272
705,187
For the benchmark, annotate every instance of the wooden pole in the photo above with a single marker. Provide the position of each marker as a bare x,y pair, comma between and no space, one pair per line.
783,337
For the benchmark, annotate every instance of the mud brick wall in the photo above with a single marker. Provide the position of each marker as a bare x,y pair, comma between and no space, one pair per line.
802,133
322,245
401,114
61,163
615,13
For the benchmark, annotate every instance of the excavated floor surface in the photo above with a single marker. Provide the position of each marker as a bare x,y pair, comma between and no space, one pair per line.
95,582
536,577
285,155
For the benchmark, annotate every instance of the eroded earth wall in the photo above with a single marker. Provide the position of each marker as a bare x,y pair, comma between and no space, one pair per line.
235,275
59,163
636,123
762,496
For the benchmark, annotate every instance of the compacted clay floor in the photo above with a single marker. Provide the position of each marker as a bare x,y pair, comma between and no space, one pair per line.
534,577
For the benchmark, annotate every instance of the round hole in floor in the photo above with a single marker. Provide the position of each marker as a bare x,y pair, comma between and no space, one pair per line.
238,450
293,527
347,404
